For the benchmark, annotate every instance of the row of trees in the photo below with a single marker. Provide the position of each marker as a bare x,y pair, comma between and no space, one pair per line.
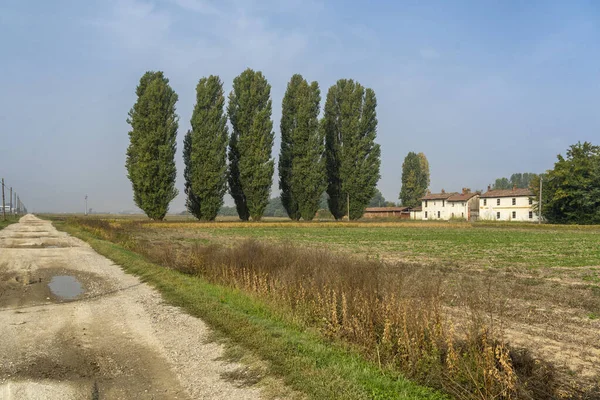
336,154
519,180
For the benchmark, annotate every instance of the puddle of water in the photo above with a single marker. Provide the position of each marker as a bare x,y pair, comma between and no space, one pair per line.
65,287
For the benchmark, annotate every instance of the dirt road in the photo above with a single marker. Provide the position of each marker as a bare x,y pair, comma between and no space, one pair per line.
74,326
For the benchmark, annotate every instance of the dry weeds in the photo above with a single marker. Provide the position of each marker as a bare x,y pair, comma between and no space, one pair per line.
397,314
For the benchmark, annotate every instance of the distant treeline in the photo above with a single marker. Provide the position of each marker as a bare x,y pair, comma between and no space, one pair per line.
520,181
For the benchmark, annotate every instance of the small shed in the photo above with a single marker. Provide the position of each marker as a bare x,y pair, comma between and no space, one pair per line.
416,213
387,212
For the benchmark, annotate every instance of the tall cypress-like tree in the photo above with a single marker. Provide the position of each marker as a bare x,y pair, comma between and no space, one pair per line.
250,164
151,154
352,156
206,164
414,180
301,160
425,174
192,202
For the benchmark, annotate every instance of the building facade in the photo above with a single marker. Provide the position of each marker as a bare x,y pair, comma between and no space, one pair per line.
464,205
507,205
416,213
434,206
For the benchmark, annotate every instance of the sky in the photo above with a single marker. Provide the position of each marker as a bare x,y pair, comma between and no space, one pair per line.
484,88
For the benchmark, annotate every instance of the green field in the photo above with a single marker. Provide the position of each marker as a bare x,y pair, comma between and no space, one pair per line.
9,220
484,245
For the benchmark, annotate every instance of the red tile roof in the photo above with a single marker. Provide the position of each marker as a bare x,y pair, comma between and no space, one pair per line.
385,209
462,196
438,196
508,193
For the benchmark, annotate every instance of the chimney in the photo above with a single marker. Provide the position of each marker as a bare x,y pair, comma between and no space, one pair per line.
514,188
428,191
443,191
464,190
489,187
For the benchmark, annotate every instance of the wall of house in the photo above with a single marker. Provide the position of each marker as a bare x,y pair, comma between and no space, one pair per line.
435,209
416,215
508,212
458,209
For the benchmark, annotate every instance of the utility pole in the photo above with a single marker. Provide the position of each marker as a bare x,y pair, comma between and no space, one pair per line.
86,209
3,206
540,204
11,202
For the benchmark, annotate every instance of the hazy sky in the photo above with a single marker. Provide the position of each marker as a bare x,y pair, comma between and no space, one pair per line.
483,88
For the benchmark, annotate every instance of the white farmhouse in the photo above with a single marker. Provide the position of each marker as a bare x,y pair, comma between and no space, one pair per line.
464,205
507,205
433,205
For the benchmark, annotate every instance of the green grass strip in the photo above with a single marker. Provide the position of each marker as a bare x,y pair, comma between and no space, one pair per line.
9,220
304,360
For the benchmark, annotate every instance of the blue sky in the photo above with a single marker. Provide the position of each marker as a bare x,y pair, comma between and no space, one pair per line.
483,88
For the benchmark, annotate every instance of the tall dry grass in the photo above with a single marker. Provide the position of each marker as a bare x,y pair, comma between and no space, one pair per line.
393,313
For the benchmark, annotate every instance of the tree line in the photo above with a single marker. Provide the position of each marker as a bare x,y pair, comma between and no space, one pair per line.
336,154
518,180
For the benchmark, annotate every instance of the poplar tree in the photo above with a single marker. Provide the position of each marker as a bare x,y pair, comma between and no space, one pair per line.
425,174
192,203
206,164
151,153
352,156
301,160
250,164
413,181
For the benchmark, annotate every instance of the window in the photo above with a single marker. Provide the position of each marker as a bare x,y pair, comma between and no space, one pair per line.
463,215
425,214
438,214
514,214
514,201
530,200
498,202
425,206
530,214
485,202
452,204
434,203
443,203
498,215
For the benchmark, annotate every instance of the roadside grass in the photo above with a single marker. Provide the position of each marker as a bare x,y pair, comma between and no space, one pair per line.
9,220
303,359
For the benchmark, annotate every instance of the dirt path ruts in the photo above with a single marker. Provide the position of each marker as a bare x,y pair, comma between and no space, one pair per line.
116,340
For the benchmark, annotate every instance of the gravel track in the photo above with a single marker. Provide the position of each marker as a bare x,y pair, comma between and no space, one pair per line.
116,340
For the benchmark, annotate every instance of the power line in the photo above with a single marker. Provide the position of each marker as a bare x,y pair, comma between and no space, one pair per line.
15,205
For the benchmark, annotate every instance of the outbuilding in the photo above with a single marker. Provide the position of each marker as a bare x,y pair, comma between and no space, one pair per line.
387,212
